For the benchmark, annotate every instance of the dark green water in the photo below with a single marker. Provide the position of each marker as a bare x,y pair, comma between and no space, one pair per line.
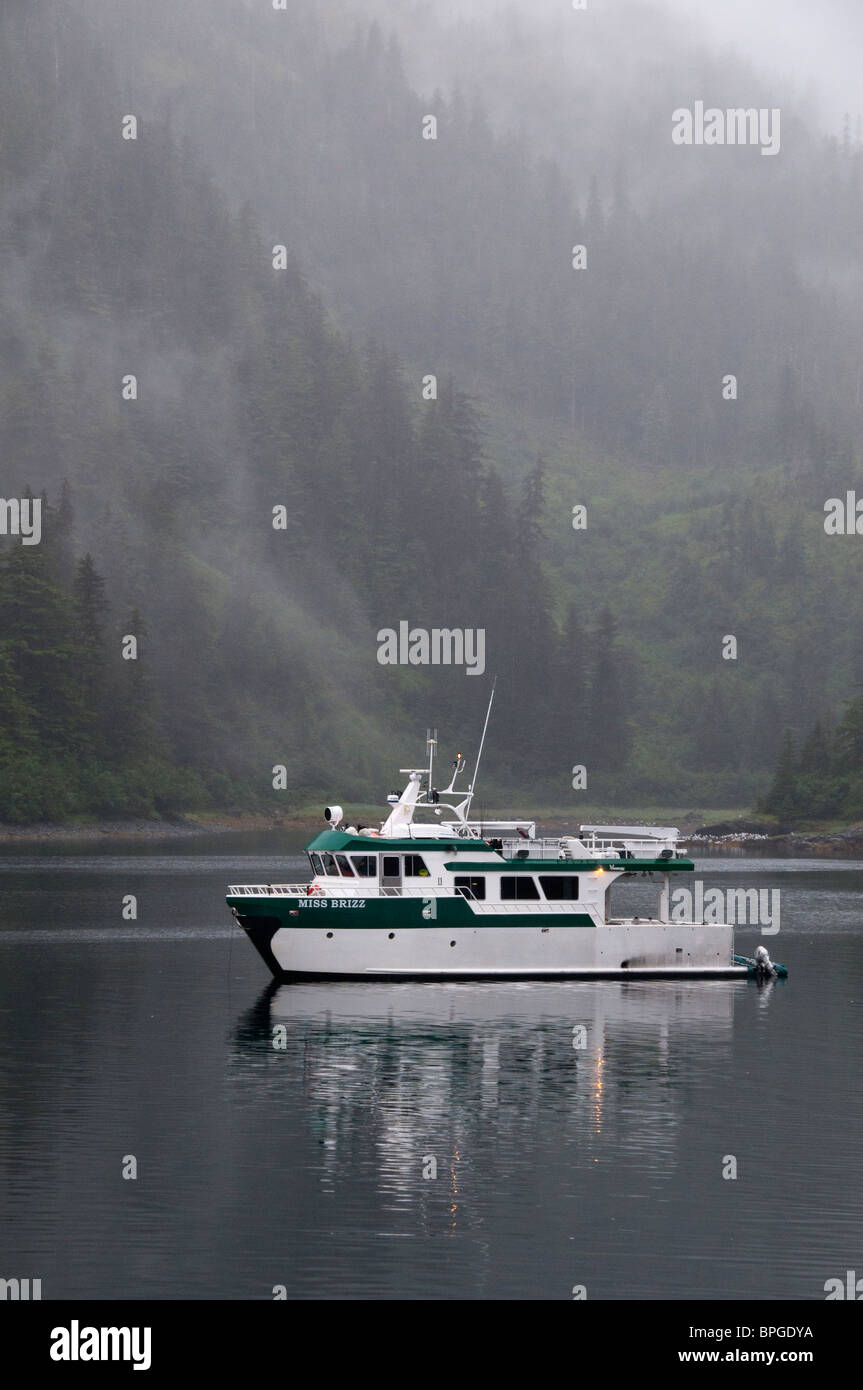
556,1166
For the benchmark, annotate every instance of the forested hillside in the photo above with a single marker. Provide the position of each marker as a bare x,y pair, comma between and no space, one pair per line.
821,776
459,249
260,642
301,389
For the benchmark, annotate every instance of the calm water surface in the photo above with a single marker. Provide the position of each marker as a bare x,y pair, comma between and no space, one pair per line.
303,1166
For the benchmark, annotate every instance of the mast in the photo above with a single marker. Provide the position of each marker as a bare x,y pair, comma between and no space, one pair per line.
472,787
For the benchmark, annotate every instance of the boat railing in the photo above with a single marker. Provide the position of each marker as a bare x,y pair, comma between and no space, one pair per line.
533,849
592,847
642,841
461,829
362,889
628,848
520,907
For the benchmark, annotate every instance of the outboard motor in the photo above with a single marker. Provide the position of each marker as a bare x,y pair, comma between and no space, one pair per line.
764,967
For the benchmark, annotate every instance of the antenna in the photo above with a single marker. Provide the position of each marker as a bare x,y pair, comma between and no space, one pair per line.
431,740
482,740
457,768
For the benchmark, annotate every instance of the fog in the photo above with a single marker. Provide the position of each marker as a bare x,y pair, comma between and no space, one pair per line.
506,293
810,49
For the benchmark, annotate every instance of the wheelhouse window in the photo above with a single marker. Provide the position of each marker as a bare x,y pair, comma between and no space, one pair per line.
559,887
518,886
366,865
330,866
390,866
317,864
346,870
415,866
471,888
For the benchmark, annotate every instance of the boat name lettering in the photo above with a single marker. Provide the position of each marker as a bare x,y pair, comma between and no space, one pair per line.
331,902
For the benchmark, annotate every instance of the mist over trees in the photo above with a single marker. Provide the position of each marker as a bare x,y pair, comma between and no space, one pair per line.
820,778
301,389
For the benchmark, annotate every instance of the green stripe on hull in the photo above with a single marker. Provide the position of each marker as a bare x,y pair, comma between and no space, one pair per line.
569,866
338,841
385,914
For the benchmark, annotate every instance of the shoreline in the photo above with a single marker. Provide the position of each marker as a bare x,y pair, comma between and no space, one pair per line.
150,830
833,843
797,844
550,821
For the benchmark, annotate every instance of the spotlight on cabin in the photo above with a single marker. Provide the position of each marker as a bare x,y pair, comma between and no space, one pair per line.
332,815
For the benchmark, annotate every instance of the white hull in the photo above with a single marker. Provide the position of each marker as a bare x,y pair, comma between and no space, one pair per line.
649,949
447,898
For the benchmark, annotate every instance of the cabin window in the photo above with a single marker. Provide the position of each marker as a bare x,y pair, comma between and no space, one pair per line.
519,886
415,866
317,866
391,866
366,865
330,866
471,888
342,861
559,887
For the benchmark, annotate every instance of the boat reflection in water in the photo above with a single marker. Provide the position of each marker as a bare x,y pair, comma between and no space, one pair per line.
470,1083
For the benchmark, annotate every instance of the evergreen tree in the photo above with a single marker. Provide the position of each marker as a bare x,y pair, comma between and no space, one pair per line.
37,619
849,733
783,799
90,609
569,733
607,702
133,733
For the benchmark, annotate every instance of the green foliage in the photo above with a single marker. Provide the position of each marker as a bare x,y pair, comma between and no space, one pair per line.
257,646
35,789
822,780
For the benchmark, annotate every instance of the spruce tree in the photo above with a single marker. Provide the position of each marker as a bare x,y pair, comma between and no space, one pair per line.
90,609
783,798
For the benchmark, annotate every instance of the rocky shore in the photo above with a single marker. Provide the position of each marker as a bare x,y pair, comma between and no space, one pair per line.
779,840
776,840
181,826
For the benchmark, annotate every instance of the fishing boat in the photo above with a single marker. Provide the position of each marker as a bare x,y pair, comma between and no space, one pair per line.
429,893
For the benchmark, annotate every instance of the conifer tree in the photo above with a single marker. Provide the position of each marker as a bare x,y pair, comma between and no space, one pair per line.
782,800
90,609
